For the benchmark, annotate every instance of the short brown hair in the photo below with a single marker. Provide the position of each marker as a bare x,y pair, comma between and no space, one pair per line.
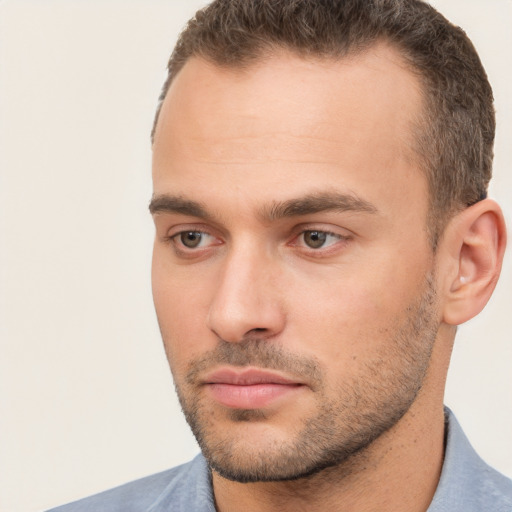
455,138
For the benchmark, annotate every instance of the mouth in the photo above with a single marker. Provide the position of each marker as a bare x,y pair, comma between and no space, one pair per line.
249,388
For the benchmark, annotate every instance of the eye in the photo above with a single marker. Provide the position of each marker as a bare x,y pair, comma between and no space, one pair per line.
318,239
193,239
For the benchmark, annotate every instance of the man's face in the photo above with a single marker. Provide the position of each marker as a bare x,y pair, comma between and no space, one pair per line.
292,275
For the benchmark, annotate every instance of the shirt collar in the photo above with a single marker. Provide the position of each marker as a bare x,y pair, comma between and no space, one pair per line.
466,483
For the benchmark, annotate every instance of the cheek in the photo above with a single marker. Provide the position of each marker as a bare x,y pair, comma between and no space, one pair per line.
341,315
351,315
181,306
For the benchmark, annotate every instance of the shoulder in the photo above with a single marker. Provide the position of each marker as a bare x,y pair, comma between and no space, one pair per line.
467,483
185,487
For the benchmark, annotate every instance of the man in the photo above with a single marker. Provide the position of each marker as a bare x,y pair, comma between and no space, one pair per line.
320,173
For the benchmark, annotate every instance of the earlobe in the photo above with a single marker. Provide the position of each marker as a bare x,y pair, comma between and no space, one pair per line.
475,243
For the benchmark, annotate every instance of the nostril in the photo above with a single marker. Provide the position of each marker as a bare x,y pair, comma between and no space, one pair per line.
256,330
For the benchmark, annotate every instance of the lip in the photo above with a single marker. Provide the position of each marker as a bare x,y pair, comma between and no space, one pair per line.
246,377
249,388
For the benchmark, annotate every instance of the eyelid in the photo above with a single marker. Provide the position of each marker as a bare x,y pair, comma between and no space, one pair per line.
172,239
343,235
338,236
329,229
185,227
178,234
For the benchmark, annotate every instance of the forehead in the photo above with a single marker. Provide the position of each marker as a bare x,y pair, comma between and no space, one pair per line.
289,121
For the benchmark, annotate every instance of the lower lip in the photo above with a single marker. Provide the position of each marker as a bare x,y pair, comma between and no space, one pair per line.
253,396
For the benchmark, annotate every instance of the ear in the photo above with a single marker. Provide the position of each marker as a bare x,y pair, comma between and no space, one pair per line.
470,259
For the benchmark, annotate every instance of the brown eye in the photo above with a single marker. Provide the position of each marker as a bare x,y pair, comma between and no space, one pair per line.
191,239
315,239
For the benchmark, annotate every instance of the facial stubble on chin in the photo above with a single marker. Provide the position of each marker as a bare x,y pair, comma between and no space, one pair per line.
345,423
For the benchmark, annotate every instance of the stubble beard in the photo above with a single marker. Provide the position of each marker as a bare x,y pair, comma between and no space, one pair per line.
344,426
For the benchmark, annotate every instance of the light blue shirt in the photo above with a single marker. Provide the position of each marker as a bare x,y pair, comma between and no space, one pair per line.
467,484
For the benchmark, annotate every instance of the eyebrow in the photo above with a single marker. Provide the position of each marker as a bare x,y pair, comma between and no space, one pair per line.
176,204
318,202
295,207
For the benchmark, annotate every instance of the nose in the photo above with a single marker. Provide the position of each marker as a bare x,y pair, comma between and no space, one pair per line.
247,299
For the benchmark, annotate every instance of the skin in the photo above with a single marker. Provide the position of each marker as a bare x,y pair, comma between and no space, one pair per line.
364,323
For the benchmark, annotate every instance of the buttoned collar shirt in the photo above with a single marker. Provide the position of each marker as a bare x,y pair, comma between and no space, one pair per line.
467,484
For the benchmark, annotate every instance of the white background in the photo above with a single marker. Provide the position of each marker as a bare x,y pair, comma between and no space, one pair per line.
86,398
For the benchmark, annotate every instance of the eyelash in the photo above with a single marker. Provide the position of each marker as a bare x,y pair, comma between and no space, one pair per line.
325,233
182,250
191,252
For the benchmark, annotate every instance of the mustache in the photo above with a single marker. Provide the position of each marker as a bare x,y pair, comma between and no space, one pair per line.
257,352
